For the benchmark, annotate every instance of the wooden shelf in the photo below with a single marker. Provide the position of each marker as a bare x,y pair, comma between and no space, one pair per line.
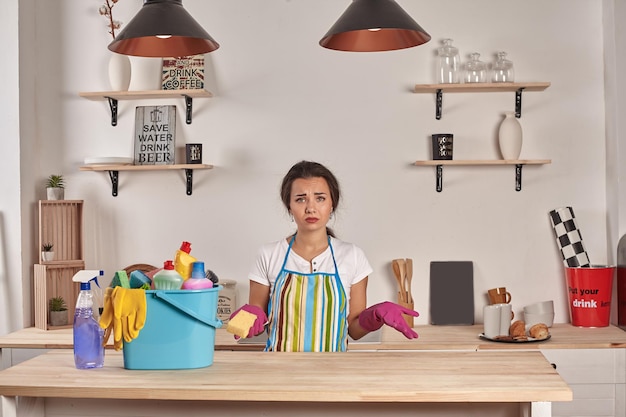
519,163
439,89
114,96
114,171
480,87
434,162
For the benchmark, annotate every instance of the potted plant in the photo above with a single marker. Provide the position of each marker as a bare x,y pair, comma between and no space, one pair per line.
55,187
58,311
47,254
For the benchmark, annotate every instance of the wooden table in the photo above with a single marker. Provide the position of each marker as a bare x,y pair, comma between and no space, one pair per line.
564,336
294,384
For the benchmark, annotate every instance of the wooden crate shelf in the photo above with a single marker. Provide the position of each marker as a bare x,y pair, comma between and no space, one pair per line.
60,223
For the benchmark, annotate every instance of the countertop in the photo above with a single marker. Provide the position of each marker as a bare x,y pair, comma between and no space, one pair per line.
411,377
564,336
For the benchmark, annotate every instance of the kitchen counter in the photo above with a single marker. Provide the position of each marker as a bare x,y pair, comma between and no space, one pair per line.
405,382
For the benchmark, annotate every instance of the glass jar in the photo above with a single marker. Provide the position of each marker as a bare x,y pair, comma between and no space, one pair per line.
226,300
448,63
475,69
502,69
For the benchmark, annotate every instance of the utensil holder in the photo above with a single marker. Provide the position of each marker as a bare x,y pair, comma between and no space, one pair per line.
407,318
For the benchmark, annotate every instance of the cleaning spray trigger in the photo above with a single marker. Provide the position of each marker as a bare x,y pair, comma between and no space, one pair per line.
85,276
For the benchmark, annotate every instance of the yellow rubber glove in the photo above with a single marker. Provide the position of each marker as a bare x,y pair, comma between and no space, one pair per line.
106,319
129,312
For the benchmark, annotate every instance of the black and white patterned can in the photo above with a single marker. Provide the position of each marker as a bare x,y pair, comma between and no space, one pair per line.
568,237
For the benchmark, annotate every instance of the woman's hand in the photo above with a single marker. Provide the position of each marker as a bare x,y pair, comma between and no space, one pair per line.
259,323
388,313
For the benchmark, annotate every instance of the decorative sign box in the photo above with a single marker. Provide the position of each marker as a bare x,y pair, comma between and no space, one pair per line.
183,73
155,134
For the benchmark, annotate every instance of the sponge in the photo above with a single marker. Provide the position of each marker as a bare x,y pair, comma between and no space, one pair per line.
241,323
120,280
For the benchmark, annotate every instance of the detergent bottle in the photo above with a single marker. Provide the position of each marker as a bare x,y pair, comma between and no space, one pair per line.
88,335
167,278
198,279
183,260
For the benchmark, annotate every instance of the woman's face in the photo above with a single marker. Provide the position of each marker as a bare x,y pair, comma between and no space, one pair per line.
311,204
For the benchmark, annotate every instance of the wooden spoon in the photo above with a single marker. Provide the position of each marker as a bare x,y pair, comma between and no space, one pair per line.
402,267
395,265
409,277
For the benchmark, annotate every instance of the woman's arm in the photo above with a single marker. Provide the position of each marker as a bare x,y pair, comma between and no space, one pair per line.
358,302
259,295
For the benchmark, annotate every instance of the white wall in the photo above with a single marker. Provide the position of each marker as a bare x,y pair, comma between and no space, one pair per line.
280,98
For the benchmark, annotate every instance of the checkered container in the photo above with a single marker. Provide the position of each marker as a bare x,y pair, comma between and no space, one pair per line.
568,237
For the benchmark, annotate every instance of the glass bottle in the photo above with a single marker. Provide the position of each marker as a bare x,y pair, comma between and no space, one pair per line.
503,69
448,63
475,69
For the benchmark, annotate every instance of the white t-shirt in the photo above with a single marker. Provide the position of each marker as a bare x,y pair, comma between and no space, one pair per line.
351,261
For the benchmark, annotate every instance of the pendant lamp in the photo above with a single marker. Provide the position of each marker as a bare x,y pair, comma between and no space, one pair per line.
374,25
163,28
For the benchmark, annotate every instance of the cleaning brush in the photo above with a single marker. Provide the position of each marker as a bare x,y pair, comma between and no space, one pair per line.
211,275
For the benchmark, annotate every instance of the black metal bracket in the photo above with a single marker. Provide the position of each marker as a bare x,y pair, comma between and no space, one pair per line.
518,102
113,107
438,104
439,181
518,177
114,175
189,109
439,177
189,178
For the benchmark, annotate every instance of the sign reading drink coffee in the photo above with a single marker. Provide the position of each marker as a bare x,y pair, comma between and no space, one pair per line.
155,134
183,73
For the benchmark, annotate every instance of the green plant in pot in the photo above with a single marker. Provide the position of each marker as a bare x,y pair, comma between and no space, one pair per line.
55,187
47,253
58,311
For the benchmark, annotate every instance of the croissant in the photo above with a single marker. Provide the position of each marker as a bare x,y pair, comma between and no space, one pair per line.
518,329
539,331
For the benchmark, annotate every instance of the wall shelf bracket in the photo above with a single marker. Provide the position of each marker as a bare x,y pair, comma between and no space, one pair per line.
518,102
439,183
188,109
113,107
114,175
438,103
189,180
518,177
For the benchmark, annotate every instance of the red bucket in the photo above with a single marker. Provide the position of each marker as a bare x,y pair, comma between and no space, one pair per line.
590,290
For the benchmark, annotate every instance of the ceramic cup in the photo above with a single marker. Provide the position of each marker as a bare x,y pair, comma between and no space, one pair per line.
540,307
497,319
499,296
442,145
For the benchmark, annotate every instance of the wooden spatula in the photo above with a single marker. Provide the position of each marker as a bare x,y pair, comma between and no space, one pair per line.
409,277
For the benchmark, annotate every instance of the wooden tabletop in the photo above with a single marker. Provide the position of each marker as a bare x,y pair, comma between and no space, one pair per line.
412,377
563,336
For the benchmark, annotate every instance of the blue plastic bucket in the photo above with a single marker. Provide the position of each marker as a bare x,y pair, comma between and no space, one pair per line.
179,332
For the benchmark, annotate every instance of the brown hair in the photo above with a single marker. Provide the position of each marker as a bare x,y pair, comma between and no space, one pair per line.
309,169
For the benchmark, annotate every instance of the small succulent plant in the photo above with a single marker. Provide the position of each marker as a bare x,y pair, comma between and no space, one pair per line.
57,304
55,181
47,247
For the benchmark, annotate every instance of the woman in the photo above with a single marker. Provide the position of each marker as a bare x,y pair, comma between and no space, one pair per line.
311,284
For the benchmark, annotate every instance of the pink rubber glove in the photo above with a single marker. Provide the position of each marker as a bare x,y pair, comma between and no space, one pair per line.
388,313
259,324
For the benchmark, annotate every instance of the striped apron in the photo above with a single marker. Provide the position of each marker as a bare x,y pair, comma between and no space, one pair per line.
307,312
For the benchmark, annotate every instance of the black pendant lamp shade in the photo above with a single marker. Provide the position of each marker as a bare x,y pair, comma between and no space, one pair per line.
374,25
163,28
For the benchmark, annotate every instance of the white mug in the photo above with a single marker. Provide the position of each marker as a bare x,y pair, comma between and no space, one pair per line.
497,320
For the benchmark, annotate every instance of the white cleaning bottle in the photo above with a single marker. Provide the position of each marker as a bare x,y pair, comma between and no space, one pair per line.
88,335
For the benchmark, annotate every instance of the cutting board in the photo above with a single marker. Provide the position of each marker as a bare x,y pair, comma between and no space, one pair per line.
452,292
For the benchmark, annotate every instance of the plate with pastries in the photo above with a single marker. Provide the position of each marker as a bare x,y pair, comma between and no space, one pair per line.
519,334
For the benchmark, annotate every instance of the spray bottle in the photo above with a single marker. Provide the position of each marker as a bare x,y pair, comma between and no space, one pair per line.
88,335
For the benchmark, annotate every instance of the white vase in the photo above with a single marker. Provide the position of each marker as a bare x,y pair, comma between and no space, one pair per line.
47,256
510,137
146,74
119,72
55,193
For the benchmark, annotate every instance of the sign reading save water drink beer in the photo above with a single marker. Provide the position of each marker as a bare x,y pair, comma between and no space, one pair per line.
155,134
